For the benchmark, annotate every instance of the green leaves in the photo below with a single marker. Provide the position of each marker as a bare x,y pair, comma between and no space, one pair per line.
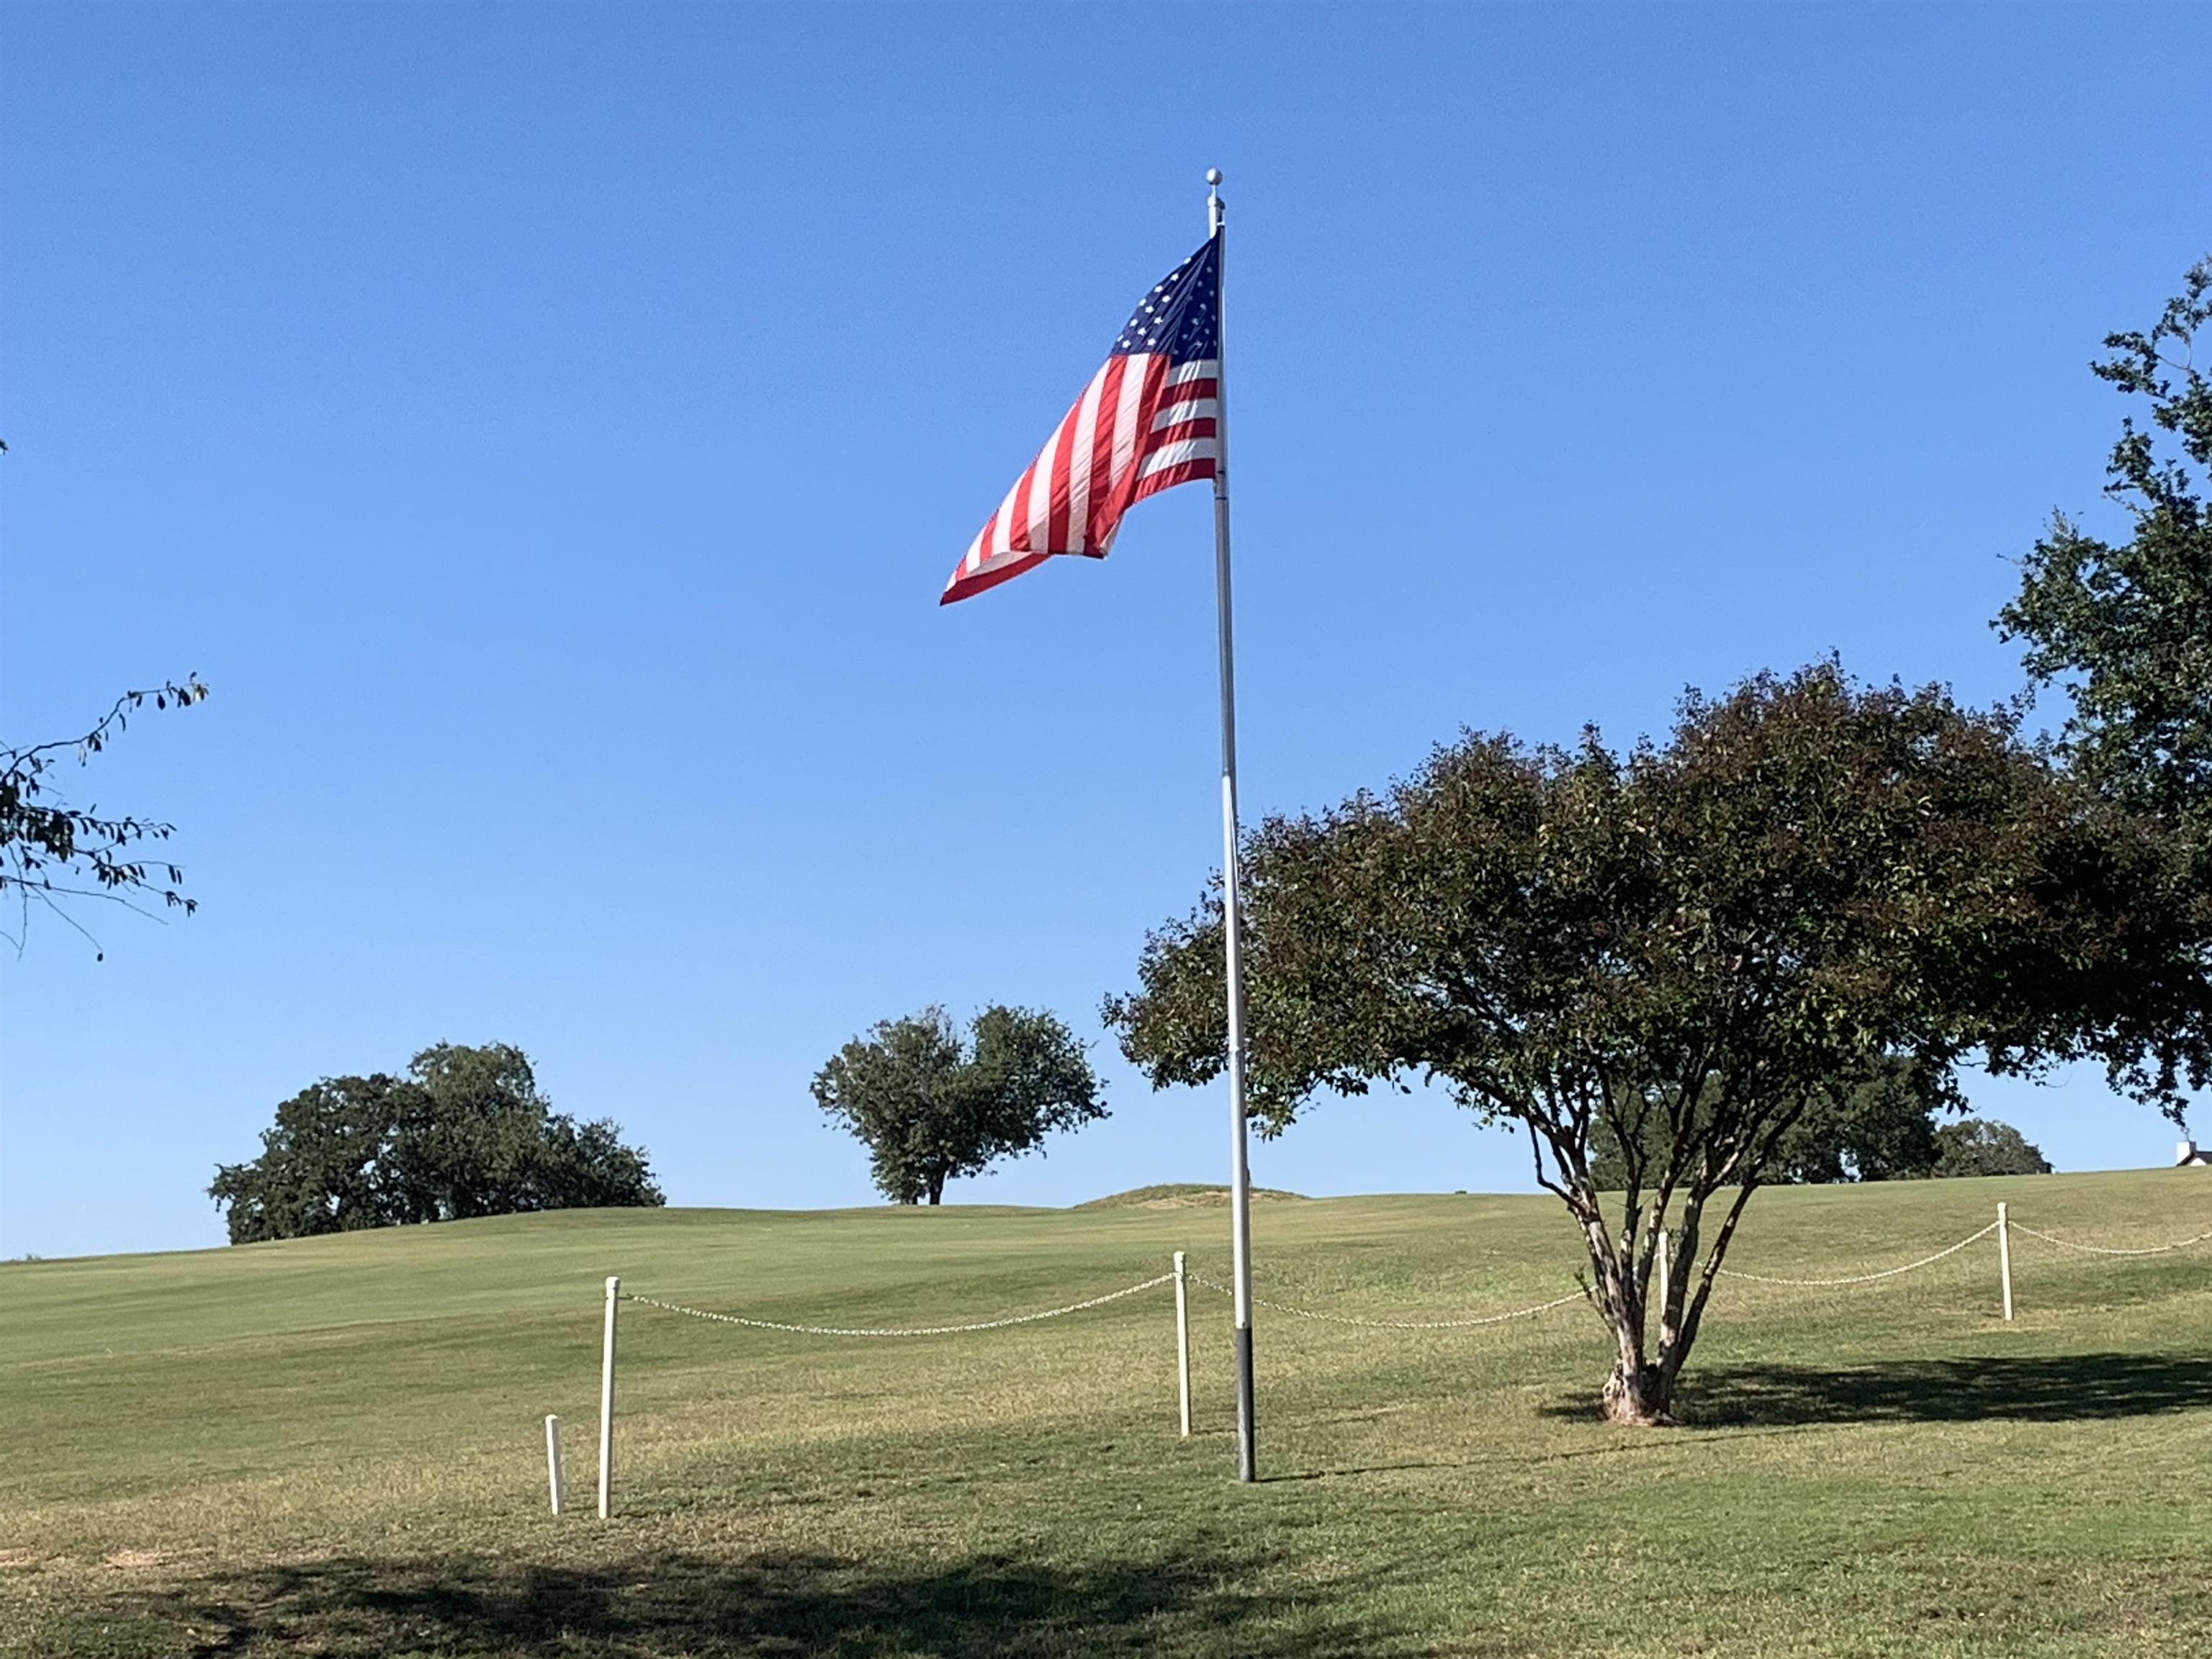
51,853
930,1107
1976,1146
465,1133
2126,627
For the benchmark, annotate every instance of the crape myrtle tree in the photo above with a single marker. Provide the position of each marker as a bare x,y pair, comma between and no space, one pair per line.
930,1105
1681,949
465,1133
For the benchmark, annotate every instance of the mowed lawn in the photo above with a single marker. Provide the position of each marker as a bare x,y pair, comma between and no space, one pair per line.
334,1446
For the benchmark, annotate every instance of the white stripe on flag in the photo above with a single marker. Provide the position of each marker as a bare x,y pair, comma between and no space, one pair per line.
1127,408
1196,408
1041,493
1168,455
1207,368
1078,461
1002,523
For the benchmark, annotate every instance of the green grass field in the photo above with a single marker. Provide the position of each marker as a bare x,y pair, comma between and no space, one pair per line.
333,1446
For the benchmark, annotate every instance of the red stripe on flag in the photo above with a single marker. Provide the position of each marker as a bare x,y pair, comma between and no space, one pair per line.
1018,511
1154,368
967,587
1098,526
1199,427
1062,465
1169,477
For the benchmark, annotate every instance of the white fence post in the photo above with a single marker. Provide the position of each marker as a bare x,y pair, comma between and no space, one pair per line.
1183,1340
553,1460
607,1404
2004,1258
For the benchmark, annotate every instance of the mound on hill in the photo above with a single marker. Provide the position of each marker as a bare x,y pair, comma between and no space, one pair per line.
1181,1195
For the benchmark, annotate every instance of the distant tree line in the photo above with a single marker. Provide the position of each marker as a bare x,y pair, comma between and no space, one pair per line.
464,1133
1883,1125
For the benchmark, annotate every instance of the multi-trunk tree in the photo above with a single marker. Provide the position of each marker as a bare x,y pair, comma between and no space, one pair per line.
1679,951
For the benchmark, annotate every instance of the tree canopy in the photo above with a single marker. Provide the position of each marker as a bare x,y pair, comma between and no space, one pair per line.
53,853
1682,947
930,1106
465,1133
2126,627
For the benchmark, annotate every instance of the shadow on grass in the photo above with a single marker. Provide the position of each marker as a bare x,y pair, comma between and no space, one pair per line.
2054,1388
353,1608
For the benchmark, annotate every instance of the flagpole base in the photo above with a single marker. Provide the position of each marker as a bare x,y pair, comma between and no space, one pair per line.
1248,1449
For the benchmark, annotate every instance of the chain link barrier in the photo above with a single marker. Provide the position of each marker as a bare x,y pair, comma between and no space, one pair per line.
1868,1278
918,1330
1391,1324
2107,1249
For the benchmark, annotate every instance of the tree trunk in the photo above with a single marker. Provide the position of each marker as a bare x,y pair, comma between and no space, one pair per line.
936,1189
1638,1396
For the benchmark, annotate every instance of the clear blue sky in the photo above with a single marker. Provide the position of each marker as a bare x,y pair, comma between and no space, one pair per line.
548,429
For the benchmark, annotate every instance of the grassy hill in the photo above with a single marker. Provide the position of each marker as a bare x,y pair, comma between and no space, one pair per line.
332,1446
1181,1195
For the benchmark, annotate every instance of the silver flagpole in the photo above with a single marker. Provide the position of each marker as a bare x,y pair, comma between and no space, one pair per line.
1240,1179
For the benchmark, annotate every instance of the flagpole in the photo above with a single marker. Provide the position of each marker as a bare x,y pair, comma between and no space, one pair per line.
1240,1180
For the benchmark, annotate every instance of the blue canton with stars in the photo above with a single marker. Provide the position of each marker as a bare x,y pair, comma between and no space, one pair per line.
1181,316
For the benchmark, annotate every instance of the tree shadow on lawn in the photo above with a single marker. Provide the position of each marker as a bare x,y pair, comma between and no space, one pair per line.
2050,1388
352,1607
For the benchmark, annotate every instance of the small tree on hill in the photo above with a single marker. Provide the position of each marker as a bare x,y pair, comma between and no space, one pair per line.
465,1133
1683,947
930,1107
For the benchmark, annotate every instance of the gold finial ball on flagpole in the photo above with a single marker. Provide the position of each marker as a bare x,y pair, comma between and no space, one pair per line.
1213,177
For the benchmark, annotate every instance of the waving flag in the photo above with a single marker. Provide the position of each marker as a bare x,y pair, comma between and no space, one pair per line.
1148,421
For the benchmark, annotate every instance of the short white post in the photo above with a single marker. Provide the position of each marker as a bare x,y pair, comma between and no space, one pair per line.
553,1460
607,1404
2004,1258
1182,1338
1665,1281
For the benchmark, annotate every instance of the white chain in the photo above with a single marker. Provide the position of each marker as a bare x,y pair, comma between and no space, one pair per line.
2105,1249
1377,1324
1392,1324
1863,1278
921,1330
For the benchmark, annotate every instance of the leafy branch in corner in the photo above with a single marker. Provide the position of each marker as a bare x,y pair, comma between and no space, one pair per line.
51,851
2125,627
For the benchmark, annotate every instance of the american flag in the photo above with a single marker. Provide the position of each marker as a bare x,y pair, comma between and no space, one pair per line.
1148,421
